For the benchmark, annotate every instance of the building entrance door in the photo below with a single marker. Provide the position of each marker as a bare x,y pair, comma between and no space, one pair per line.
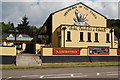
30,48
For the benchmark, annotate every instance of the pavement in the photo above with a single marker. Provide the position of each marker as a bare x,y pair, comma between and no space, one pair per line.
79,73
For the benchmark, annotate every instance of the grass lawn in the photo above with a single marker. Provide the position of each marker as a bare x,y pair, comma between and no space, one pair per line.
61,65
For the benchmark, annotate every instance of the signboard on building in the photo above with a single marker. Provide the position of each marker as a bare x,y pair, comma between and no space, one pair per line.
66,51
118,52
99,50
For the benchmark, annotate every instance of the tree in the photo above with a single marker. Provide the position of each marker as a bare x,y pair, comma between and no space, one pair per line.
23,27
25,21
113,23
116,25
6,27
12,24
117,33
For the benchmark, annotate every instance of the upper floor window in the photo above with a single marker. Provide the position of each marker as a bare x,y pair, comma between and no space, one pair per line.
68,36
96,37
89,37
81,37
107,38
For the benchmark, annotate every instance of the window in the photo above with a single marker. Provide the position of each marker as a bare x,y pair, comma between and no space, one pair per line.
81,37
68,36
107,38
89,37
96,37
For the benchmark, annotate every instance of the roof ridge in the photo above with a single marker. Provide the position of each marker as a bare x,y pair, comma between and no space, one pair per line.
77,4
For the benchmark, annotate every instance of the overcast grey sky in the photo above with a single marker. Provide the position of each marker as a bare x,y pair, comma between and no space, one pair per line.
37,11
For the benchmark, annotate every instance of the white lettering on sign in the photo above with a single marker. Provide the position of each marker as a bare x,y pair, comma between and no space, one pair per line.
73,28
74,7
69,9
88,29
93,14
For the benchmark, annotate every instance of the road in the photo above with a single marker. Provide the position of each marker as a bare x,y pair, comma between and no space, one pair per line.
61,73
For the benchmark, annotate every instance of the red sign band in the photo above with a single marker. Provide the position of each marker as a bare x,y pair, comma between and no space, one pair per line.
118,52
66,51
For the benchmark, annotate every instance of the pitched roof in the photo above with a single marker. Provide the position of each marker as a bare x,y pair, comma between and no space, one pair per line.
24,36
4,36
7,35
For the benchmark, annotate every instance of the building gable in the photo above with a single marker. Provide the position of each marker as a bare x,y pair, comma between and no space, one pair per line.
78,14
82,4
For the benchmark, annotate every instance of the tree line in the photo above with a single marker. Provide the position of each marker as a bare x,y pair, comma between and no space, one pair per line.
115,23
23,27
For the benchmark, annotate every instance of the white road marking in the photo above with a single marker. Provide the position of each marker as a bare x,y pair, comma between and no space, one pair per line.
30,75
112,74
109,72
58,77
68,76
72,75
64,75
9,77
98,74
42,76
57,74
81,76
76,73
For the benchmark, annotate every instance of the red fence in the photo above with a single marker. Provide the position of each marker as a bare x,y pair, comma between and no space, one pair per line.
66,51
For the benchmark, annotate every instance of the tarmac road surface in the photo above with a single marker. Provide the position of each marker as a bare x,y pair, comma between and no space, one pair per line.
79,73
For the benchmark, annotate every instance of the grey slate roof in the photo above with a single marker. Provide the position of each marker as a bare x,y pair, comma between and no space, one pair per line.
4,36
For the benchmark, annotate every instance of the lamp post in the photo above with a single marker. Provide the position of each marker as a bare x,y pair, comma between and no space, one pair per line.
14,31
35,44
111,31
64,28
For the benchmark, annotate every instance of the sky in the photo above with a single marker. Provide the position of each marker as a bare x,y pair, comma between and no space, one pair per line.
38,10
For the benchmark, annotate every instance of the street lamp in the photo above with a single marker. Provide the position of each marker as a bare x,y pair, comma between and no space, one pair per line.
14,31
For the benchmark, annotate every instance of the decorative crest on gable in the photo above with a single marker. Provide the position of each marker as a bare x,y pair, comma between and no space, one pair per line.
80,19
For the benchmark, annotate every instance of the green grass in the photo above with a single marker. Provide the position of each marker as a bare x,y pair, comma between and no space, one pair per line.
62,65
